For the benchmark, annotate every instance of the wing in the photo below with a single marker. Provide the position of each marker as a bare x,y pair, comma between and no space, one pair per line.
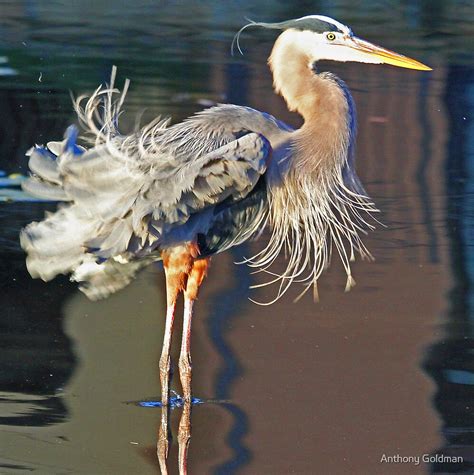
236,222
113,201
227,173
129,195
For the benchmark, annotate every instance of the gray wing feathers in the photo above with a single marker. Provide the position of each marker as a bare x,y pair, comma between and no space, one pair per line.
100,182
231,170
43,189
45,167
131,187
45,181
98,281
56,244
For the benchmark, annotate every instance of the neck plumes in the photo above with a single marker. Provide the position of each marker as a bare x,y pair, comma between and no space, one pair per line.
319,202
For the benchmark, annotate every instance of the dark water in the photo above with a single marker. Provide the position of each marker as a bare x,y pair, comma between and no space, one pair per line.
297,388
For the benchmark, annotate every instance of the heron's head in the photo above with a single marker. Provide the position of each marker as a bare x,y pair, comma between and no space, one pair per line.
323,38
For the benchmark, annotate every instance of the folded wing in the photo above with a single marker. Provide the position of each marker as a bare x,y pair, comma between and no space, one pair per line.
129,189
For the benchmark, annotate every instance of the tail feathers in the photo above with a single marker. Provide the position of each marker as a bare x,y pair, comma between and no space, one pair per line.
98,281
46,180
56,245
55,147
100,183
96,224
43,163
37,187
114,240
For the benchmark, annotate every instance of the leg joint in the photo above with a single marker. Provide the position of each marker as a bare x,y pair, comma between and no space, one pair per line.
165,364
185,366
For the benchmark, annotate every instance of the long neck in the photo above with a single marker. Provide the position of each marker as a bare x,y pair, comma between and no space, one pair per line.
321,99
310,207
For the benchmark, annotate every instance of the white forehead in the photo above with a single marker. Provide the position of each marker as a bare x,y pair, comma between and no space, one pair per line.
330,20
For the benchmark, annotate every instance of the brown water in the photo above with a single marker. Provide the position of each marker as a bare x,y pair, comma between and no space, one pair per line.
293,388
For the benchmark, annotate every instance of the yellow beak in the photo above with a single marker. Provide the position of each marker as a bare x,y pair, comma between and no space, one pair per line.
386,56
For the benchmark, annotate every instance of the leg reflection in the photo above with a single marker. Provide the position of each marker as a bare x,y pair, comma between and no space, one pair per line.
184,437
164,437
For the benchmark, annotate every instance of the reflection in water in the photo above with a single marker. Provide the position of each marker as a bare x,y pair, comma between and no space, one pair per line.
422,171
164,437
218,323
36,357
450,361
184,438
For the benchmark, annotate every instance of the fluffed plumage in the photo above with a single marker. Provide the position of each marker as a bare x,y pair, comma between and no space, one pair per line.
217,178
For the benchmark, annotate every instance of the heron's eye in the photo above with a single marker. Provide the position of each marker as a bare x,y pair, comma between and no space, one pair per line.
330,36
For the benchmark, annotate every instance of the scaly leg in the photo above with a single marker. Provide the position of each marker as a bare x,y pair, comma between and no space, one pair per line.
165,359
177,263
185,368
195,278
165,364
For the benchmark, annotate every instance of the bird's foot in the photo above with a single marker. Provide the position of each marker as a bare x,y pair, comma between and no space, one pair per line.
175,400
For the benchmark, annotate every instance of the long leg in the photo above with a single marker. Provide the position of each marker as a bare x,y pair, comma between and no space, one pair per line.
165,366
177,263
195,278
165,359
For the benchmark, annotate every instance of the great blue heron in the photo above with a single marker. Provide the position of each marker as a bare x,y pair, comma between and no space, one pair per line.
184,192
